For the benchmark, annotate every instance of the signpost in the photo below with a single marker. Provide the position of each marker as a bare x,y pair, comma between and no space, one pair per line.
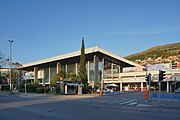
92,87
25,80
148,79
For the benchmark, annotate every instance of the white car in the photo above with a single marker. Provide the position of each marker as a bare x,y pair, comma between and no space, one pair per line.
104,90
98,90
108,90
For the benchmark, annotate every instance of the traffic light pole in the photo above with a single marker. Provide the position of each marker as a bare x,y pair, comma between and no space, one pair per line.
148,93
149,82
159,91
161,78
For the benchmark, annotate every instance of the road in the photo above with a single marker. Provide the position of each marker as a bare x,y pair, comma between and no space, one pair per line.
126,106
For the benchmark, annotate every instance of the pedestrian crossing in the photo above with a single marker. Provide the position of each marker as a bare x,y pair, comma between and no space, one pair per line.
110,101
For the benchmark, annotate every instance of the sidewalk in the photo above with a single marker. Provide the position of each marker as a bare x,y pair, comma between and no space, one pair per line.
57,96
48,95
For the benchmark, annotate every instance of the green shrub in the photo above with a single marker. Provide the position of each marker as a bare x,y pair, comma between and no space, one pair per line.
32,87
39,89
5,88
47,89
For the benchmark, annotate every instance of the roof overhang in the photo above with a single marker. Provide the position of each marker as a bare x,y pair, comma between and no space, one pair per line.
77,53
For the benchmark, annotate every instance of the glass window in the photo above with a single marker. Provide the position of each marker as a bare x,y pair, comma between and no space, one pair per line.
107,69
46,75
71,68
91,71
100,71
52,72
63,67
115,68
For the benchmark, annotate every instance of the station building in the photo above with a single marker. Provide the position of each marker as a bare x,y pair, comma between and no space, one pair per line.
102,67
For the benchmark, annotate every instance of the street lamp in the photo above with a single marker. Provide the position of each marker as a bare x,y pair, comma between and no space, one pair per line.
10,42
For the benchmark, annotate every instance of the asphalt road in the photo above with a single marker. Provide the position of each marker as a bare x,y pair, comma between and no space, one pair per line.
125,107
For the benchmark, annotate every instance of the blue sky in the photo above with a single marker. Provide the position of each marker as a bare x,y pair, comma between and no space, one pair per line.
46,28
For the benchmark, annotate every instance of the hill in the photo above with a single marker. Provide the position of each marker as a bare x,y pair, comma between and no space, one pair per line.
159,54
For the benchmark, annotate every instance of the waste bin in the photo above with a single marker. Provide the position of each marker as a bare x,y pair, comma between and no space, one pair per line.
60,87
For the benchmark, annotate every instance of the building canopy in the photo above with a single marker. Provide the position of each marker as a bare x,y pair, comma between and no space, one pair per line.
75,57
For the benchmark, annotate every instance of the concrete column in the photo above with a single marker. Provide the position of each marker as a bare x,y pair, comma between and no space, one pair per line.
35,74
167,86
76,65
49,75
88,71
112,70
66,68
141,86
170,87
102,68
43,79
102,81
95,69
121,87
58,67
119,71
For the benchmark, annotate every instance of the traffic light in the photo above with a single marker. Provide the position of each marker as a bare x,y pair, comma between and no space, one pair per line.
162,75
147,78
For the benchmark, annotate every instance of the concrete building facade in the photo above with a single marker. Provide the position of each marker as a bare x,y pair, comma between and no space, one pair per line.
102,67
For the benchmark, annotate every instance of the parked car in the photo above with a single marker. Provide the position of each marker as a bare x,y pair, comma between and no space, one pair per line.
104,90
177,90
98,90
107,90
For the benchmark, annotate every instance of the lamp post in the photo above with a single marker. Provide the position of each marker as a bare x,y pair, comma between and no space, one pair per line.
10,42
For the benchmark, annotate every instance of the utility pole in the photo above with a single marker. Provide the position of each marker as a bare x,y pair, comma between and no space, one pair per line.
10,42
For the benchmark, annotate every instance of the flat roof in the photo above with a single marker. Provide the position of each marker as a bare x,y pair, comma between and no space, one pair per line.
77,53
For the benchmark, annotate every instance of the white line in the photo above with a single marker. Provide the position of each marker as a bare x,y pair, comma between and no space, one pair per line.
141,105
126,102
133,103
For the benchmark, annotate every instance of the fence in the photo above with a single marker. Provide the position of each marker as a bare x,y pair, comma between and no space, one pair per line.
165,95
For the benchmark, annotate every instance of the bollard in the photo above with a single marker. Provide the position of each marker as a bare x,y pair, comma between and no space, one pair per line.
146,95
100,94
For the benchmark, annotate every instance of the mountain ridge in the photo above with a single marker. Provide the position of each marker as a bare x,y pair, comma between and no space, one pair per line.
159,54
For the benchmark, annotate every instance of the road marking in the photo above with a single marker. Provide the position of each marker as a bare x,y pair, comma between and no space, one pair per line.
143,105
111,101
133,103
126,102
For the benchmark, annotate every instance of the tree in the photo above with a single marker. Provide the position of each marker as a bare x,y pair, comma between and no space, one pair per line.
16,65
82,68
56,77
67,76
3,62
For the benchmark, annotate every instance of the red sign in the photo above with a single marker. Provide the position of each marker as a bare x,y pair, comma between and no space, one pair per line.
178,65
61,78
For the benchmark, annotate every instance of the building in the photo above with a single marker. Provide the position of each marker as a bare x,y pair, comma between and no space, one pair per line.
101,65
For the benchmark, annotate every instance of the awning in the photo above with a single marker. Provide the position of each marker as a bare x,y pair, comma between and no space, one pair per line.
113,85
72,84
